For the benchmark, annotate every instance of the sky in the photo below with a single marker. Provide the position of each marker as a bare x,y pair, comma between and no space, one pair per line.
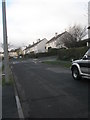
29,20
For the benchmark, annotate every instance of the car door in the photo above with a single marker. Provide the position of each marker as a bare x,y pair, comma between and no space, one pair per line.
88,63
85,64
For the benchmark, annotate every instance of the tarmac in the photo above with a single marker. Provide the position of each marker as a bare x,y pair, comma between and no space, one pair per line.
9,106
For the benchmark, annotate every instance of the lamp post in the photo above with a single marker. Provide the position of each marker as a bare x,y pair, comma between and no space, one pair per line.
5,42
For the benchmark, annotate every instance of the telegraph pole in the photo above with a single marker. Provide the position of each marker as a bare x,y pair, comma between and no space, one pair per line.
5,42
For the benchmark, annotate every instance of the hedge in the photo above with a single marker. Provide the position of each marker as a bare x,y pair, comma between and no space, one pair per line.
72,53
62,54
51,52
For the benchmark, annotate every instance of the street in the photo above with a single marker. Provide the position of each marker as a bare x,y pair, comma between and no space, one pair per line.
47,91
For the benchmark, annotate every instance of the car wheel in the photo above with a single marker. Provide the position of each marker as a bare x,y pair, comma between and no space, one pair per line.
75,74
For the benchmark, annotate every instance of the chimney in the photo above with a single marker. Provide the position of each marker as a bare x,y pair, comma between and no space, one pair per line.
33,43
38,40
56,34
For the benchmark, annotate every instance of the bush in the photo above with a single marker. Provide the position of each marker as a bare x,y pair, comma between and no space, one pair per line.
72,53
51,52
63,54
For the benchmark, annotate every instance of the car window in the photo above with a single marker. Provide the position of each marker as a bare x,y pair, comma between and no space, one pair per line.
88,53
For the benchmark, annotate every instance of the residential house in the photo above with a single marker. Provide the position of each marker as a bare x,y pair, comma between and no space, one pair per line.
1,54
26,50
83,43
38,47
58,41
13,53
88,41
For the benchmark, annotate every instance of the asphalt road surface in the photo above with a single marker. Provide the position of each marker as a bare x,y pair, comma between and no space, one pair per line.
47,91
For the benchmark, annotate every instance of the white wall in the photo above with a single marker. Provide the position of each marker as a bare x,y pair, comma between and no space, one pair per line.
59,42
32,49
13,54
41,46
47,46
27,51
52,44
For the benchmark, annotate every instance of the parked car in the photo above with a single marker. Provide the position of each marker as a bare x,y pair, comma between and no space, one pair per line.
81,68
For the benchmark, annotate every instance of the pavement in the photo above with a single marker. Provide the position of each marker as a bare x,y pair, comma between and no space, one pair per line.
9,107
48,91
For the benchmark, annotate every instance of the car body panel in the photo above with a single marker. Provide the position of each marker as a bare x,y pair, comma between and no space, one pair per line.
83,65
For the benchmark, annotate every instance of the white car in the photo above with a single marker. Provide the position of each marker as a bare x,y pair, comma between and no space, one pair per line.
81,68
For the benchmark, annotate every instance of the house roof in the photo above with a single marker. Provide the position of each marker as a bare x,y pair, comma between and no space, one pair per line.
34,44
85,40
54,38
27,47
12,50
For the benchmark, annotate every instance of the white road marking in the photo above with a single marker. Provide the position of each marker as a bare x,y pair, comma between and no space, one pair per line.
20,112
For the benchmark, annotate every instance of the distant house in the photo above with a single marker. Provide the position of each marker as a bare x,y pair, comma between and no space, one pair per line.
83,43
38,47
88,41
13,53
26,50
1,54
58,41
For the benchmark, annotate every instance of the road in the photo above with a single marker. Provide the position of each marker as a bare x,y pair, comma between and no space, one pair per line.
47,91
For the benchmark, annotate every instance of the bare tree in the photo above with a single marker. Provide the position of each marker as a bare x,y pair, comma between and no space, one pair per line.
66,40
78,32
9,45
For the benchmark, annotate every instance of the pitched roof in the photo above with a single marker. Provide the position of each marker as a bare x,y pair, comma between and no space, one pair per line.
34,44
12,50
85,40
54,38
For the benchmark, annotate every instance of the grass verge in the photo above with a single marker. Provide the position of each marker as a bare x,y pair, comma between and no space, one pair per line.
7,83
10,82
66,64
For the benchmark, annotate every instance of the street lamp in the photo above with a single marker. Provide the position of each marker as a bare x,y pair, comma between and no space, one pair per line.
5,42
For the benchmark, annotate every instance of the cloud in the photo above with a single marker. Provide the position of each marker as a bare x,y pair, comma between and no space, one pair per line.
28,20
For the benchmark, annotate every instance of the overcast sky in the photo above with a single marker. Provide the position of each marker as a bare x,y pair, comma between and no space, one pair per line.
29,20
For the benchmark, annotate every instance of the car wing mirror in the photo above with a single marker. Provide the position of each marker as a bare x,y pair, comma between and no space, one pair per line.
72,60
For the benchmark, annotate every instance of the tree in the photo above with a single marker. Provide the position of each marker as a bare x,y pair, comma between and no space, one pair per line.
66,40
78,32
9,45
